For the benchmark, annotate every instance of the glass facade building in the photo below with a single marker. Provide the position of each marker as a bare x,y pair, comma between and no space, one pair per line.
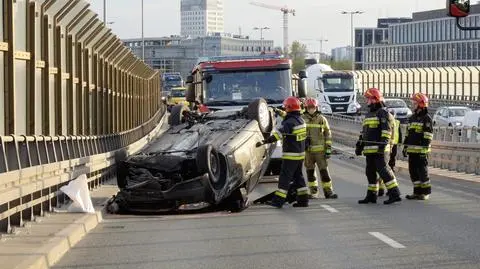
430,40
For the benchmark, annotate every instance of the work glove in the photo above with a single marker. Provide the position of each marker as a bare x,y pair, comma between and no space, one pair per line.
261,143
279,112
328,153
404,152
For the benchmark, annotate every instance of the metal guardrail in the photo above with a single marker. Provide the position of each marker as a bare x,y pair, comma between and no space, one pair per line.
73,99
453,84
456,149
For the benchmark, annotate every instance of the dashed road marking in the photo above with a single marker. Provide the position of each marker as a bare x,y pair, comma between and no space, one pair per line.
330,209
387,240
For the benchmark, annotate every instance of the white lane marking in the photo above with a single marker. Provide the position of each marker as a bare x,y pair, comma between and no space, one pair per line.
330,209
387,240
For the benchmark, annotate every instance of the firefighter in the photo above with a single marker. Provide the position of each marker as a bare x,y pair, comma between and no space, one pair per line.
319,149
374,143
417,147
396,137
294,133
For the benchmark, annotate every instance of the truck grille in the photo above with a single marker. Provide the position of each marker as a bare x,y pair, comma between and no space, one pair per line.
339,108
339,99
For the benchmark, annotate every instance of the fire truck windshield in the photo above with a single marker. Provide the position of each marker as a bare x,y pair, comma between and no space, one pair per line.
241,87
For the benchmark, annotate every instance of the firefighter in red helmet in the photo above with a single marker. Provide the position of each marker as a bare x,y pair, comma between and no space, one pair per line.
319,149
375,144
293,132
417,147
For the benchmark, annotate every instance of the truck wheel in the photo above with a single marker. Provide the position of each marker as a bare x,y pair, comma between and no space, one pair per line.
258,110
176,115
209,162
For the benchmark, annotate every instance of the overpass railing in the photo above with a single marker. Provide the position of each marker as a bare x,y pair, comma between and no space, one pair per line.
453,148
73,100
443,85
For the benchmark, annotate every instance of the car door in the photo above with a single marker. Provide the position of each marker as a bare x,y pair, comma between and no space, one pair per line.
445,117
437,117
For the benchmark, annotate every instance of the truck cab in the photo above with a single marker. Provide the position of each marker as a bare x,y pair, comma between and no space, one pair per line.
336,92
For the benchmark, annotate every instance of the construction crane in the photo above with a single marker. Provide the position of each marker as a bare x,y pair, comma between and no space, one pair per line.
285,10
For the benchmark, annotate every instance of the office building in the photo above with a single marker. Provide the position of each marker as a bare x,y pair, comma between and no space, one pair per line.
178,54
431,39
368,36
200,17
342,54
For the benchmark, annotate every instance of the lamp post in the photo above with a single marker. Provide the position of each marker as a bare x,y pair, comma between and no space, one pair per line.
261,34
352,13
104,11
143,38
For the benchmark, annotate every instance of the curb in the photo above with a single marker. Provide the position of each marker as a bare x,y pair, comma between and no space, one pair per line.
62,241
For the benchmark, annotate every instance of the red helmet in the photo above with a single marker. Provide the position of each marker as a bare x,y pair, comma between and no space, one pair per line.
292,104
421,99
311,102
374,94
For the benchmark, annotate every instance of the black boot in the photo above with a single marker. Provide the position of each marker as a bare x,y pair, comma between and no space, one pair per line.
394,196
370,198
381,192
416,194
327,185
302,201
329,194
276,202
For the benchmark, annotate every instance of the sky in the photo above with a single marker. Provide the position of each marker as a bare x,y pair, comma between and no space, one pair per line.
315,19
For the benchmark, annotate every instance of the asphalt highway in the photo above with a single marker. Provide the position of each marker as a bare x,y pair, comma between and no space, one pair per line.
443,232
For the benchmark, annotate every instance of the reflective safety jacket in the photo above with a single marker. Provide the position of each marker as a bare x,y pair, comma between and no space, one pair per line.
318,132
293,132
397,133
419,133
377,131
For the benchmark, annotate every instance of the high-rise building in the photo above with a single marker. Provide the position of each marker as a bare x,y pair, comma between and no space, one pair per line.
430,39
200,17
342,54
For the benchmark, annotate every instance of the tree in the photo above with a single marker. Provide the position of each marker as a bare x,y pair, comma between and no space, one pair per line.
298,51
340,65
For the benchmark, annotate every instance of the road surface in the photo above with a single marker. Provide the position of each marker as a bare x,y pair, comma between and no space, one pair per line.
441,233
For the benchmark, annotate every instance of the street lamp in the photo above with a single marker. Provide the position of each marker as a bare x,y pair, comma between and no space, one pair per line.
321,40
261,34
143,38
351,13
104,11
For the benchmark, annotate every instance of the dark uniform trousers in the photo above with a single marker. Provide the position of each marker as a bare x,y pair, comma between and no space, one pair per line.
377,163
291,179
417,166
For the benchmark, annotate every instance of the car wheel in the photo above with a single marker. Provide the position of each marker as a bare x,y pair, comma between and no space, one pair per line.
176,115
258,110
209,162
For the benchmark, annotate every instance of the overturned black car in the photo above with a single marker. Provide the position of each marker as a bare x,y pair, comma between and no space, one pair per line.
202,160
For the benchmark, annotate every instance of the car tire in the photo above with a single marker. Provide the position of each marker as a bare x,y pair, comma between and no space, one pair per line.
258,110
209,162
176,115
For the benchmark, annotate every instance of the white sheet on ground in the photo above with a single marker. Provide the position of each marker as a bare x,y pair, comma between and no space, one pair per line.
77,191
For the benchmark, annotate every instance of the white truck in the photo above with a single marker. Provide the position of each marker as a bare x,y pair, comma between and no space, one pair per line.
336,91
